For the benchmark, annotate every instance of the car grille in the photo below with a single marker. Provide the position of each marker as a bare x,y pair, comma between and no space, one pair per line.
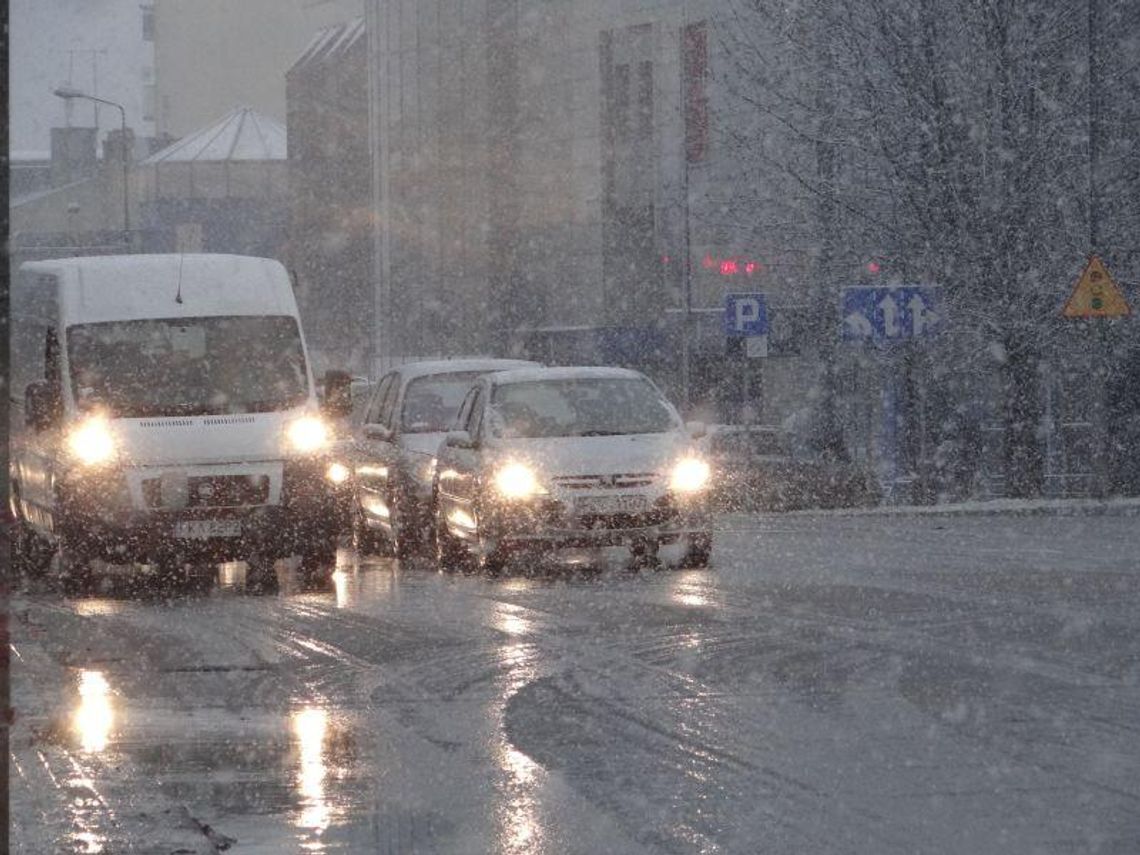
625,481
623,521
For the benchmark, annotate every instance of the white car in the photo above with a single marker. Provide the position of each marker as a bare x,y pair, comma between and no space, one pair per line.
581,465
394,447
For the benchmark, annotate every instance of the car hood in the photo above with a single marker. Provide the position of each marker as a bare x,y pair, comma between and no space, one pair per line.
599,455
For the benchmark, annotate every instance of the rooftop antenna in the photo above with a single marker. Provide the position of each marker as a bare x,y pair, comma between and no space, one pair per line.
178,296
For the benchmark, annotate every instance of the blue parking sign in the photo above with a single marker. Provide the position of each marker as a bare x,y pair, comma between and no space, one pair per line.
745,315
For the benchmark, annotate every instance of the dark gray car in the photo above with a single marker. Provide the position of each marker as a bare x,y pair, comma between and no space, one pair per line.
394,449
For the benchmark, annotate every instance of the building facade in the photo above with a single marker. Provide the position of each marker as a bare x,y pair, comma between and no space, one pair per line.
214,55
330,213
100,47
585,183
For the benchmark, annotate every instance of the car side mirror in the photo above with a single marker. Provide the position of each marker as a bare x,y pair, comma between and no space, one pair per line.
380,432
697,430
337,402
42,405
459,439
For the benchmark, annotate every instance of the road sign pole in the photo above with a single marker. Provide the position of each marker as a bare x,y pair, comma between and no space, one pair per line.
1103,362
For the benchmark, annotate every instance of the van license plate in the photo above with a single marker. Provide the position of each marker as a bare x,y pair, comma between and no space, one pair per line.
201,529
610,504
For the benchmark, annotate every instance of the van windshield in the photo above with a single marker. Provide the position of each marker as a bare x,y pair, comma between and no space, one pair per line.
188,366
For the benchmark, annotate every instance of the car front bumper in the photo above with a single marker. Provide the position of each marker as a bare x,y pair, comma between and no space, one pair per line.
550,524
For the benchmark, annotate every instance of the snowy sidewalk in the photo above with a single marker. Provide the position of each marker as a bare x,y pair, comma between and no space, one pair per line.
1124,506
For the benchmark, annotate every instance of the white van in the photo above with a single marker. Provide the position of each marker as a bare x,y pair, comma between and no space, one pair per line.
164,413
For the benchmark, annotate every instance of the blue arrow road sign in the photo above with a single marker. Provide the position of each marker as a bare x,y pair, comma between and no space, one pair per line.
892,314
745,314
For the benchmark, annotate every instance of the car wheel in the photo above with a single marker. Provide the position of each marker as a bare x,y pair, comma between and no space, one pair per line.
365,541
402,542
450,554
699,551
261,575
491,561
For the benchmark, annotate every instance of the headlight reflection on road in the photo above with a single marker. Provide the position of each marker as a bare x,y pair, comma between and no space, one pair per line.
518,815
341,587
310,728
690,589
520,830
95,716
508,619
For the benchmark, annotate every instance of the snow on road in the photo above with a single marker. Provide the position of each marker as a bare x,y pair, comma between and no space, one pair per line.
847,684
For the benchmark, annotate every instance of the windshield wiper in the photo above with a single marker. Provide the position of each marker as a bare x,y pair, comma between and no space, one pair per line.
602,433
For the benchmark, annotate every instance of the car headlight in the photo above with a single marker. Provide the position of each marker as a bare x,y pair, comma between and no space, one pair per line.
307,434
690,475
91,442
337,473
517,481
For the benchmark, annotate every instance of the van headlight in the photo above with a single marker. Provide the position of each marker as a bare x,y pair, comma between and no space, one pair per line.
307,434
91,442
337,473
690,475
517,481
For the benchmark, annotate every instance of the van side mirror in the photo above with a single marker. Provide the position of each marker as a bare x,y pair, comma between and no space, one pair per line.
42,405
697,430
338,394
459,439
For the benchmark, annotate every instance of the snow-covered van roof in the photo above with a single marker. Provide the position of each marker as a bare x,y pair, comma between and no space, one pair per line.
132,287
412,370
573,372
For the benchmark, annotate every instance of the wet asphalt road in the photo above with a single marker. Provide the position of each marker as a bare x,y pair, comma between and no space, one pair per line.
834,684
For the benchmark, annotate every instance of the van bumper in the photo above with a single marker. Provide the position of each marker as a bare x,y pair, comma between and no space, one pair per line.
98,519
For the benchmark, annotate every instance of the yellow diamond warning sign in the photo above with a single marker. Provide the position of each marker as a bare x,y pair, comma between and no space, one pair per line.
1096,295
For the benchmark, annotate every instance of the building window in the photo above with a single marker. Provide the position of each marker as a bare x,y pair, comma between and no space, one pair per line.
147,23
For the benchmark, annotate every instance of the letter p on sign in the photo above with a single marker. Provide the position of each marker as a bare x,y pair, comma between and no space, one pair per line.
746,315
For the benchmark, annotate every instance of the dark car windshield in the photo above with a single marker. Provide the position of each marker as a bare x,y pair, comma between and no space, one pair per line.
188,366
592,406
431,402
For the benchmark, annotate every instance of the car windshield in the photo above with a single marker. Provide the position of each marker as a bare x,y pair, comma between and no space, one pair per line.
431,402
593,406
188,366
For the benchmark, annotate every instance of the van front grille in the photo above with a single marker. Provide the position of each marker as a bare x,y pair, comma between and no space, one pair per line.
212,491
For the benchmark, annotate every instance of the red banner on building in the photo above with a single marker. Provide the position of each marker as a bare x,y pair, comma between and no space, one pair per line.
695,64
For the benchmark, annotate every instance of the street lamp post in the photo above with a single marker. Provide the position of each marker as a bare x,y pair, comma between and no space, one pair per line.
67,93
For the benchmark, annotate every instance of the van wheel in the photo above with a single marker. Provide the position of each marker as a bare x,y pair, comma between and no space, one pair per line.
699,552
75,572
318,560
261,575
31,554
